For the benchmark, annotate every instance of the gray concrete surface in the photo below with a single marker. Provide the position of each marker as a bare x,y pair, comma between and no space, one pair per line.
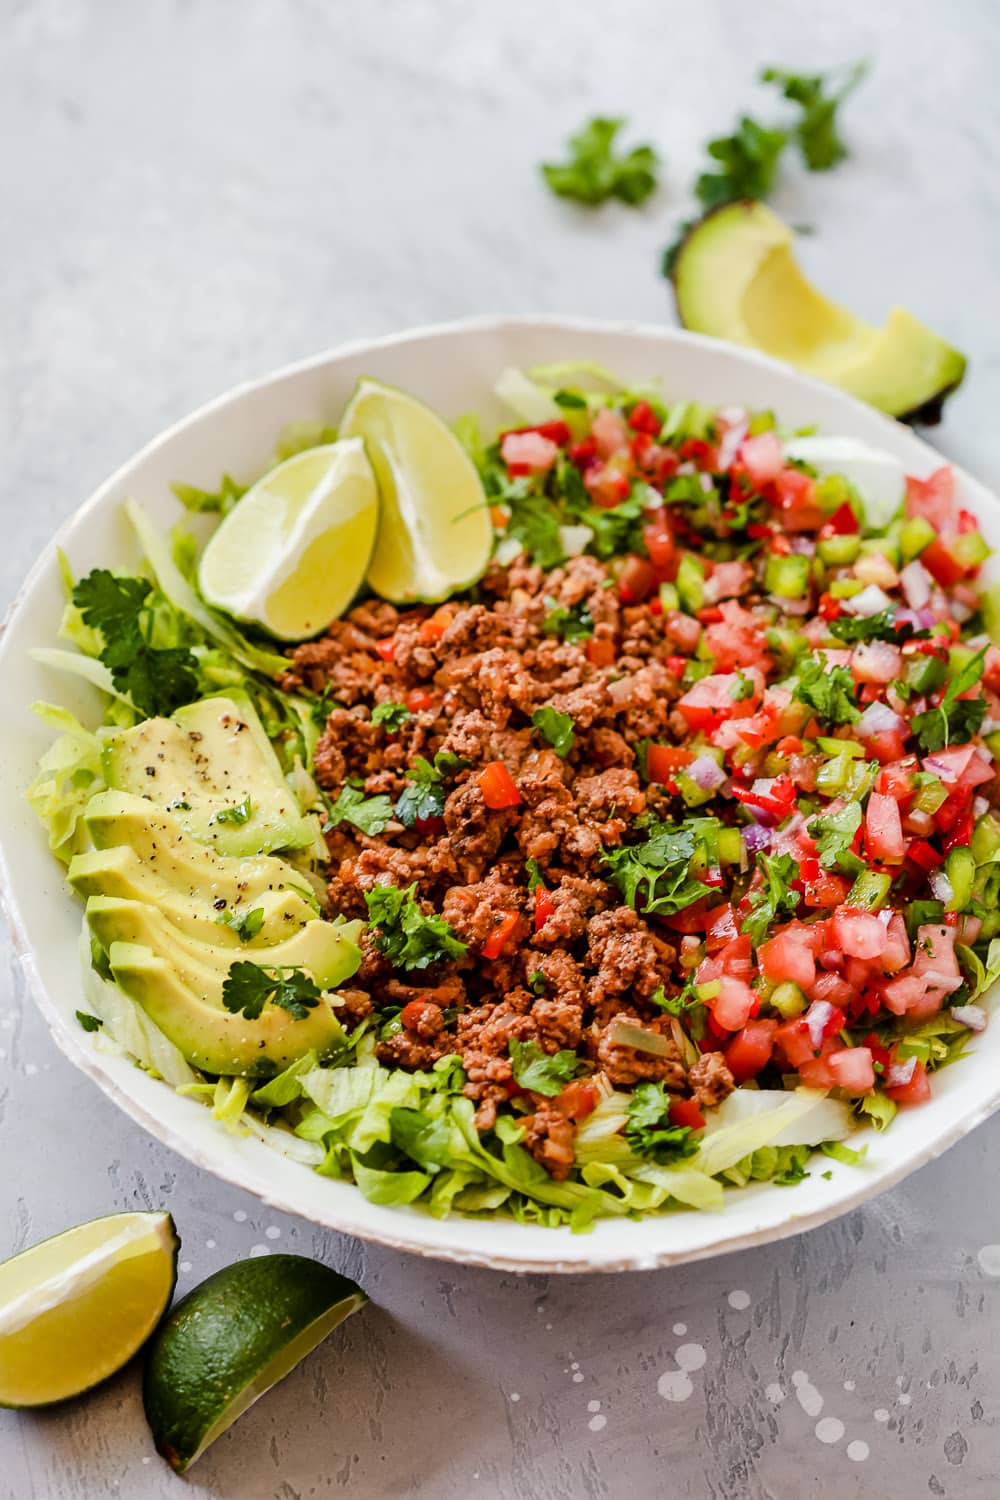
192,193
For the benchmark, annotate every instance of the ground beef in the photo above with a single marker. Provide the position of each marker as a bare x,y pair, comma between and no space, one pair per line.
710,1080
628,1065
549,1138
626,955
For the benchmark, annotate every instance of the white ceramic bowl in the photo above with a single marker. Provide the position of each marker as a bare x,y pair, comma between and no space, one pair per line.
453,368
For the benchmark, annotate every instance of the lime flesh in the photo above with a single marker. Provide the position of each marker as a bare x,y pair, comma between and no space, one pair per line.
230,1340
434,533
291,555
76,1307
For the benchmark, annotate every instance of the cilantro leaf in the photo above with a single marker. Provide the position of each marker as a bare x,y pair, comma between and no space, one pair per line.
748,162
956,719
369,814
741,687
556,727
221,500
89,1022
880,627
534,522
654,876
816,131
424,797
541,1072
392,715
408,938
675,1005
834,835
245,926
158,680
594,173
238,815
535,876
248,988
772,899
828,691
648,1129
573,623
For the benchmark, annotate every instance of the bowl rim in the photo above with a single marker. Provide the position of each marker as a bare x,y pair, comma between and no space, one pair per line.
234,1170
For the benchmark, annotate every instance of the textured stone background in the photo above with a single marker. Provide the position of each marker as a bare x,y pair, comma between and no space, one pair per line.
193,193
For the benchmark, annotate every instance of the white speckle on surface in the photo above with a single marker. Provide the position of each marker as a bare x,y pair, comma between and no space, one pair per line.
774,1393
900,1380
593,1406
147,1459
739,1300
209,1244
30,1069
548,1327
258,1250
514,1396
848,1385
578,1378
829,1429
240,1215
273,1232
905,1399
575,1365
880,1414
807,1395
675,1385
680,1329
184,1266
989,1260
690,1356
596,1424
858,1450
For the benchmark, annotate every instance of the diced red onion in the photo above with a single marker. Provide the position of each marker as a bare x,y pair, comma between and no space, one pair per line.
877,718
790,606
916,585
960,612
972,1016
926,617
980,806
899,1073
817,1018
705,480
622,1034
941,887
706,773
756,837
735,425
687,467
871,601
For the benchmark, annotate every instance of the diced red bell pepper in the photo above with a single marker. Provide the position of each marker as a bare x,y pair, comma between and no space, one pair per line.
578,1099
386,647
419,700
924,855
943,567
642,418
501,936
545,907
600,652
779,799
663,761
497,786
843,522
584,455
686,1112
637,580
750,1050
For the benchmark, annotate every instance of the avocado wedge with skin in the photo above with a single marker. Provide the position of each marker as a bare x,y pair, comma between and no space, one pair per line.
735,277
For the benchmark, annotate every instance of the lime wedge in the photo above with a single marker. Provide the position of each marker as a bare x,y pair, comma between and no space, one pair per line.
293,553
75,1308
434,533
230,1340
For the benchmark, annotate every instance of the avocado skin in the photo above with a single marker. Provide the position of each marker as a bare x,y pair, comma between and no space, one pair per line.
927,412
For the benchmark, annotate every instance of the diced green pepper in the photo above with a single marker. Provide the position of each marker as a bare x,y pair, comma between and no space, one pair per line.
845,588
930,796
915,534
923,914
669,597
708,991
730,846
970,548
870,890
788,1000
883,546
693,795
925,673
840,747
960,869
831,778
989,603
985,839
839,551
691,583
787,576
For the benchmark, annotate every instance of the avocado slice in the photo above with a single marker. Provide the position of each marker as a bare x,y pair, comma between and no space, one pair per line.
217,1040
735,277
329,953
212,765
120,872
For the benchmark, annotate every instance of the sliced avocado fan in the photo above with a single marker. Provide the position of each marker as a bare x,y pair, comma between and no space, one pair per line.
735,277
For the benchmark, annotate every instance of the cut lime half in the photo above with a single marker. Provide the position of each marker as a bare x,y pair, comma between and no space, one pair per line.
435,533
230,1340
75,1308
291,555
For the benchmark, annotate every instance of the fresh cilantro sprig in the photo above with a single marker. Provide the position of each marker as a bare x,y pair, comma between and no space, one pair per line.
237,815
409,938
654,876
819,95
774,898
956,719
391,715
570,623
248,987
879,627
542,1072
556,727
829,691
834,834
594,173
747,164
424,797
648,1129
368,814
157,679
246,925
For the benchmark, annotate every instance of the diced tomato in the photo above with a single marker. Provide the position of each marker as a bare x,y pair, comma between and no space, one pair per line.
434,627
884,829
857,933
501,936
556,432
794,1042
827,890
876,662
779,799
917,1090
943,567
815,1072
761,458
795,494
637,580
578,1099
686,1112
933,498
545,907
954,808
694,918
897,948
664,761
843,522
584,455
788,956
600,651
642,418
419,700
386,647
853,1069
699,453
415,1011
750,1050
835,989
722,929
609,431
497,786
709,702
529,452
896,781
829,607
886,746
606,486
731,1007
660,542
924,855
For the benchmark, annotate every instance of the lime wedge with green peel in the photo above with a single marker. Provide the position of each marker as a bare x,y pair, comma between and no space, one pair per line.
736,277
230,1340
435,533
75,1308
291,555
